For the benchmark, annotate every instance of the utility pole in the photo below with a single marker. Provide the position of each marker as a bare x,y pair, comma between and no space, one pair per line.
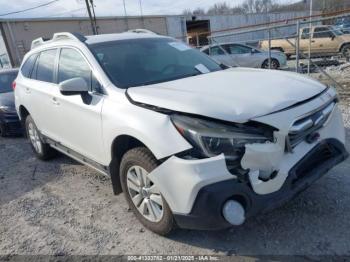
90,16
94,15
125,15
141,12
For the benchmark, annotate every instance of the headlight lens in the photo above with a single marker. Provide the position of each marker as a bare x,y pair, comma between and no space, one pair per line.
7,109
213,138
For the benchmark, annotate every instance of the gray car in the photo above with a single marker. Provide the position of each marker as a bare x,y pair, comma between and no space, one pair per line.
233,54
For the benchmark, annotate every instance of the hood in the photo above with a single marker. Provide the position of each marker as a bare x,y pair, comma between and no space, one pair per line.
7,99
236,94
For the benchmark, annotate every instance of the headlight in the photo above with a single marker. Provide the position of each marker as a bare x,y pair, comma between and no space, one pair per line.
7,109
213,138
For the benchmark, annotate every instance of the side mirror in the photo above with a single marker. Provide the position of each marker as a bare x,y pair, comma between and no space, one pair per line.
333,37
74,86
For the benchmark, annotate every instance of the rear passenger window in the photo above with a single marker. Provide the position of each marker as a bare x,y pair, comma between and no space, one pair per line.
27,67
46,65
72,65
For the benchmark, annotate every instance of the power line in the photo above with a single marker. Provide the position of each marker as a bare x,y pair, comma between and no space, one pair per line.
31,8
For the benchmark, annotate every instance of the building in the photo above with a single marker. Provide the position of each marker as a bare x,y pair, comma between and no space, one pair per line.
17,34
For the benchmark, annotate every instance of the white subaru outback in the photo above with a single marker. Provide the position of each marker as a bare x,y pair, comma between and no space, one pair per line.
189,142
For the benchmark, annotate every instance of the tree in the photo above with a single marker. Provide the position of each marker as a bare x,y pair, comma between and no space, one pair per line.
220,9
258,6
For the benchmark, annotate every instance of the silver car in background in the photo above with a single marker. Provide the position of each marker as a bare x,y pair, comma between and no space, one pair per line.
233,54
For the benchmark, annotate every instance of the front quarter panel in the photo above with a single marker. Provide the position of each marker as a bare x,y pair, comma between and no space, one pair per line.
153,129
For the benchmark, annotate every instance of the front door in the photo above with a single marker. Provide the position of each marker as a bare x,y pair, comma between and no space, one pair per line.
78,117
323,41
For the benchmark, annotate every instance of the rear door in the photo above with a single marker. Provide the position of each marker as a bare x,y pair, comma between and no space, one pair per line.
38,88
219,55
78,117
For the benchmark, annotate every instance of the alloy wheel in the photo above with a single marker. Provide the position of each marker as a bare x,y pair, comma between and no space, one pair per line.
34,138
144,194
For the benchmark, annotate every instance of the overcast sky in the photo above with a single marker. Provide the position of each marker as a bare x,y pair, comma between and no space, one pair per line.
106,7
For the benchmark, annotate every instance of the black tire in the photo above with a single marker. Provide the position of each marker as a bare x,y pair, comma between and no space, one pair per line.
2,131
274,64
345,50
46,152
142,157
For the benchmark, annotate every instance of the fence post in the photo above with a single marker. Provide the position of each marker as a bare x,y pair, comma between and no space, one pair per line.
269,36
297,48
310,39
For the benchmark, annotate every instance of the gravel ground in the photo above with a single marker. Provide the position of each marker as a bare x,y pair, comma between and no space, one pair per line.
61,207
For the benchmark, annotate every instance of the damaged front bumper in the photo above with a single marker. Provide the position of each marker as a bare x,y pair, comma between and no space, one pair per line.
207,209
196,190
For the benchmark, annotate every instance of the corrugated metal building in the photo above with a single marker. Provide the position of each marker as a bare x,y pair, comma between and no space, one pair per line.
17,34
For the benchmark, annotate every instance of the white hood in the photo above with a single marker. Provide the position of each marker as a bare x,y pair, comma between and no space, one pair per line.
236,94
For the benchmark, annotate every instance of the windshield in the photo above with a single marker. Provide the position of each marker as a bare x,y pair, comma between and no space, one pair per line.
137,62
6,80
337,31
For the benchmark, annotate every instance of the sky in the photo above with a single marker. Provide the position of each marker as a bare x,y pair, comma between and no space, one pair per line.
63,8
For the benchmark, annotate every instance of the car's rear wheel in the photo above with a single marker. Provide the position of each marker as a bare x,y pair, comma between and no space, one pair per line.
346,50
142,195
274,64
41,149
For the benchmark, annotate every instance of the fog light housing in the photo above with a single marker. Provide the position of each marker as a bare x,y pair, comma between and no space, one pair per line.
233,212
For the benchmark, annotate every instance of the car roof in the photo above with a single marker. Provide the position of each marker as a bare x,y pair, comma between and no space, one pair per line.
94,39
11,70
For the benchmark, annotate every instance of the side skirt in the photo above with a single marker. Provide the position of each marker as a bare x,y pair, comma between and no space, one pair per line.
77,156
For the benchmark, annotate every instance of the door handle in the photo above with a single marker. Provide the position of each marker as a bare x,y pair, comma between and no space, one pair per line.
55,101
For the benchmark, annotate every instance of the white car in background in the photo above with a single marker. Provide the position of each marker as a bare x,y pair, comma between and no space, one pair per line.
190,143
233,54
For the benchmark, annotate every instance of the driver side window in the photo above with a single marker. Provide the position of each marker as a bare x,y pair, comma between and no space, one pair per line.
323,32
72,64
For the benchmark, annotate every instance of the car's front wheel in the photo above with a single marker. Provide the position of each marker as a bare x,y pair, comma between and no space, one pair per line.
41,149
142,195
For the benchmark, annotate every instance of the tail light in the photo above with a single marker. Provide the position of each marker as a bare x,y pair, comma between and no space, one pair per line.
14,85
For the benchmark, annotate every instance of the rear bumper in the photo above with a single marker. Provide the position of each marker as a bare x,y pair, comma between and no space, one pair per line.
11,126
207,209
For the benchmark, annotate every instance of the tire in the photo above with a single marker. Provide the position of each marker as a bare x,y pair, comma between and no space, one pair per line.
274,64
2,131
136,164
41,149
345,50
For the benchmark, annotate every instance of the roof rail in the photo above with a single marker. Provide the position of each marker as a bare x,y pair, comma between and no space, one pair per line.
58,36
141,31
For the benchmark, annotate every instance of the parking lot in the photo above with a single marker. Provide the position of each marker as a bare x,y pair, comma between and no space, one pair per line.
61,208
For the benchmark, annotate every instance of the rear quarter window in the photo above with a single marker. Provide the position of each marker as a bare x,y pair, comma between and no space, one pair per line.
28,65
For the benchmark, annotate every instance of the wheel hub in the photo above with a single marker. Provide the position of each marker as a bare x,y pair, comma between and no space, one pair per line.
144,194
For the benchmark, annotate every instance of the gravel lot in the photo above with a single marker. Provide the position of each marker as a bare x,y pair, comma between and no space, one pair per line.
62,208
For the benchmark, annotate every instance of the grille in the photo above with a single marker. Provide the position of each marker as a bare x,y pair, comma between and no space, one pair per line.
324,153
308,125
